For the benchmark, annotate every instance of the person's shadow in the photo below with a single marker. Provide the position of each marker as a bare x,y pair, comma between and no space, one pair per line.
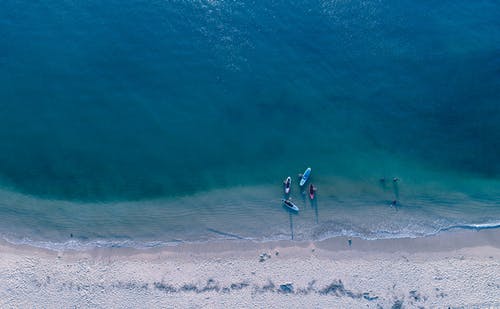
291,213
395,186
314,205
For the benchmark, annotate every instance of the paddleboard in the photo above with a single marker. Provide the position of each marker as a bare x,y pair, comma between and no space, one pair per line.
287,184
305,176
312,191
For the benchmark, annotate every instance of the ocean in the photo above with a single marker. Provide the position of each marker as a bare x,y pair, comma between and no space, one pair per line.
148,123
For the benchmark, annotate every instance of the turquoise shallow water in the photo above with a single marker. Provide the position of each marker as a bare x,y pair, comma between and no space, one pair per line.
153,122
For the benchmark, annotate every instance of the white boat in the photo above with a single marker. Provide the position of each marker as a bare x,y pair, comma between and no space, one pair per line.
287,184
288,204
305,176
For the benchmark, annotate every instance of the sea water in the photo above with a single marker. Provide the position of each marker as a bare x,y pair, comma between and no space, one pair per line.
150,122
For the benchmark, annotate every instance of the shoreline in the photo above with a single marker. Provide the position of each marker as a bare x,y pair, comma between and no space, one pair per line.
75,244
456,268
448,239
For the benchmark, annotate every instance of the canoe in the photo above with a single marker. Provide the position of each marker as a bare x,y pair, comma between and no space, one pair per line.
289,205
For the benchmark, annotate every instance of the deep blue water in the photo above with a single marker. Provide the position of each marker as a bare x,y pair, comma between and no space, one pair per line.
140,119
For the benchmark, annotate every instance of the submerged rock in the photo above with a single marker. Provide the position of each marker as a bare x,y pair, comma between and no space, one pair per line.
286,288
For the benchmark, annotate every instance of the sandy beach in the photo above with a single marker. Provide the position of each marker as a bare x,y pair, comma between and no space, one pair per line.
453,269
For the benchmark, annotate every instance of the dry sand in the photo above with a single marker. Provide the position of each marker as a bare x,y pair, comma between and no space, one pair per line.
453,269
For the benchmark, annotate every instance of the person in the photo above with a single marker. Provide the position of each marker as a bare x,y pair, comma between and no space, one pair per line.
312,189
393,203
395,179
350,242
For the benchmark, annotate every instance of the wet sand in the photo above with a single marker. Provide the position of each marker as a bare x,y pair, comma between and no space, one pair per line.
453,269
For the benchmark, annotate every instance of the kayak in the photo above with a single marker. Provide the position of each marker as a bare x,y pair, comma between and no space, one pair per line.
305,176
312,190
288,204
287,183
